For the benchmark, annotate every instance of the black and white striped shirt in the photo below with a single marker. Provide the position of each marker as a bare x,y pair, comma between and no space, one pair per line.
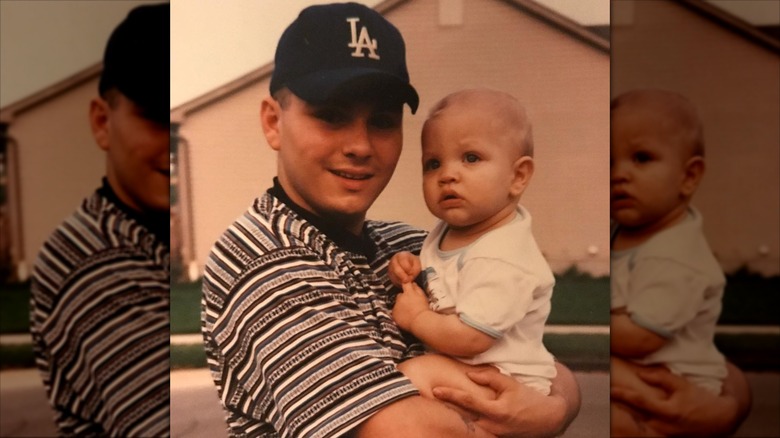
296,322
100,322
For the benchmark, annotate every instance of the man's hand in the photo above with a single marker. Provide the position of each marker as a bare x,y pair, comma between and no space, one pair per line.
688,410
518,411
404,268
409,305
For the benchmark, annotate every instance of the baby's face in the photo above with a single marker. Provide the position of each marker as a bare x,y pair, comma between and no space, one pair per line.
647,168
467,170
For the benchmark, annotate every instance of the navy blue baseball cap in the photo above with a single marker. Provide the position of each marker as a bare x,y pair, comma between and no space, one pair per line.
331,46
137,60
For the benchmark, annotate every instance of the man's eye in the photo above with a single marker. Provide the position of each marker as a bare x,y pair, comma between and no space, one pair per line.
431,165
471,158
330,116
385,121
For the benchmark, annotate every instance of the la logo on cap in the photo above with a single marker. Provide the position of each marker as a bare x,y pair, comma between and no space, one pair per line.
361,42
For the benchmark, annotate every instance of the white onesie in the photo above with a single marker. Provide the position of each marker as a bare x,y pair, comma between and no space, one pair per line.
501,285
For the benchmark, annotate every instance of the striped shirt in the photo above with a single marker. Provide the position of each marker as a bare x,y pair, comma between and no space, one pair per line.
100,322
297,328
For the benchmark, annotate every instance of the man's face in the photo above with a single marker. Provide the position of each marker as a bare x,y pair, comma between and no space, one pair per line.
334,158
138,153
647,169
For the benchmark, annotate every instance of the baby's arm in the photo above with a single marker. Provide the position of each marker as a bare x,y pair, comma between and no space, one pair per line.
404,268
444,333
630,340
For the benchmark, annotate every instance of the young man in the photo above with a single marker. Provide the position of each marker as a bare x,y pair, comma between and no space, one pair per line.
296,304
100,302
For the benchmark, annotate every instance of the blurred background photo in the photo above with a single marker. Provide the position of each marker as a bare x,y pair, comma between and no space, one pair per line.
50,62
724,57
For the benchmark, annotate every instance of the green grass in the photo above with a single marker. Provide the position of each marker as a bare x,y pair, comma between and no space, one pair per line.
15,308
578,300
751,298
16,356
580,352
188,356
185,308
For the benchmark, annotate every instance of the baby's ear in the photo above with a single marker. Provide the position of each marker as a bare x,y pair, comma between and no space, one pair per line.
694,171
523,169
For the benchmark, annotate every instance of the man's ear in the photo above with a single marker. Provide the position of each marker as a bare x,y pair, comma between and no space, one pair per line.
99,121
270,119
523,169
694,170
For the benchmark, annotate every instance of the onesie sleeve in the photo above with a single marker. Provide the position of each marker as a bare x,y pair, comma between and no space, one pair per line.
494,295
664,295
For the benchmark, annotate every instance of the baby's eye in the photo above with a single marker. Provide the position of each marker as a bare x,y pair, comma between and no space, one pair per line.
642,157
471,158
431,164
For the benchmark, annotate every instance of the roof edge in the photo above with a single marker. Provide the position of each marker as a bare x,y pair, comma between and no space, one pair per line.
9,112
181,111
562,23
732,22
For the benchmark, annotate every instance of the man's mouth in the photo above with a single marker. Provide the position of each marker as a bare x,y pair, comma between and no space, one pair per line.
357,176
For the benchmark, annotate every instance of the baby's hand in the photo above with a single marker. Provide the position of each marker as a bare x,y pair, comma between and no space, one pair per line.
404,268
409,305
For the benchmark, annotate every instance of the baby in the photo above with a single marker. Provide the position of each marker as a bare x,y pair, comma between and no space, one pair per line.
488,286
666,285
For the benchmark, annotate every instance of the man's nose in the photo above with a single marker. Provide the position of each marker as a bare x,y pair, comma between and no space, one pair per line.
357,141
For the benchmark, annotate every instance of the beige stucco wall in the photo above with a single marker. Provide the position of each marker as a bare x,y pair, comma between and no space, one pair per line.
563,82
734,83
59,163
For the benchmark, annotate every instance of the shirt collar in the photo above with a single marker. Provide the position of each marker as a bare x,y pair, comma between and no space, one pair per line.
158,223
363,244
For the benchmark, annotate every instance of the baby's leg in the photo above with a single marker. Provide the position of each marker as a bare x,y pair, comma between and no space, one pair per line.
432,370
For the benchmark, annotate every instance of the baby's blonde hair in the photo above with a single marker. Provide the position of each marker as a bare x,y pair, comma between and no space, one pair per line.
510,121
678,116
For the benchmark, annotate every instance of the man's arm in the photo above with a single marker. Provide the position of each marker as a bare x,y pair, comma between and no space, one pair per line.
417,417
690,410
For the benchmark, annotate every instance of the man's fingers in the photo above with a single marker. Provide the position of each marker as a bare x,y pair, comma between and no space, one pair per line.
460,398
492,379
637,401
662,379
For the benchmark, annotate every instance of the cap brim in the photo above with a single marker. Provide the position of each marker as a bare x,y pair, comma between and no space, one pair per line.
323,86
